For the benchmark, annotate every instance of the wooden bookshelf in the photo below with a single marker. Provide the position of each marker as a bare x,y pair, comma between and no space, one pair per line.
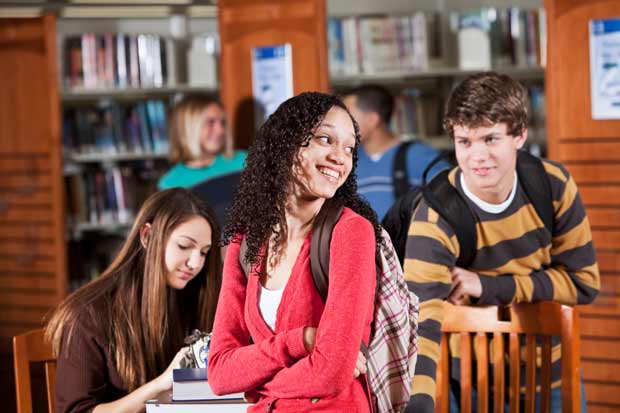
590,149
87,95
32,262
403,78
113,157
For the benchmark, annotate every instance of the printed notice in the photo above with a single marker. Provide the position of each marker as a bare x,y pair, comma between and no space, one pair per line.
272,78
605,68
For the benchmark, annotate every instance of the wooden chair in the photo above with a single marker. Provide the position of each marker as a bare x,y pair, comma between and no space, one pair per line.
27,348
544,319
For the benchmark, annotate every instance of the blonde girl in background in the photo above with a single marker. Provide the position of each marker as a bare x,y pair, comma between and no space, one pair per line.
201,147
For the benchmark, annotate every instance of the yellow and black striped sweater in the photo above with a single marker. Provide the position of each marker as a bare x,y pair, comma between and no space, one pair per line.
517,260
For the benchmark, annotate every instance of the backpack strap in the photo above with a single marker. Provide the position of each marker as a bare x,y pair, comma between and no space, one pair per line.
322,229
443,197
535,182
400,174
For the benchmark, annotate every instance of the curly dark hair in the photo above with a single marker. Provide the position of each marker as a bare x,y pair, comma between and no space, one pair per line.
484,99
258,210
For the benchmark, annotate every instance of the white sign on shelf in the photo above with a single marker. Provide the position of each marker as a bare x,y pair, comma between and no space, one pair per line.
605,68
272,78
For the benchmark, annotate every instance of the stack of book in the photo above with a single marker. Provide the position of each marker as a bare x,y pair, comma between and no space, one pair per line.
165,404
192,384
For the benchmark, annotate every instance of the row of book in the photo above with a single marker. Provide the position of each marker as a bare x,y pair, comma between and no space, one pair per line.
372,45
485,38
113,128
121,60
418,113
105,196
497,37
114,60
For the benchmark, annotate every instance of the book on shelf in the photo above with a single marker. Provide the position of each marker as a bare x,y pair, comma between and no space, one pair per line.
192,384
381,44
139,128
511,36
375,45
122,60
114,60
202,61
474,42
164,403
106,196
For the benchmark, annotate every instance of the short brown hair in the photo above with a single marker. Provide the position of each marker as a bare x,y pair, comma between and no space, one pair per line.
485,99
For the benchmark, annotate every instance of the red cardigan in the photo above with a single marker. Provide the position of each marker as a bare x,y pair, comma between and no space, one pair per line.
276,365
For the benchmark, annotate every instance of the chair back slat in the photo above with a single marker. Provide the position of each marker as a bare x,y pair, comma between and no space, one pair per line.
466,382
50,379
442,399
545,374
28,348
530,373
534,321
514,390
481,349
499,382
571,349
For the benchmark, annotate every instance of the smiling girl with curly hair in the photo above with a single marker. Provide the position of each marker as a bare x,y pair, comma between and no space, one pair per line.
274,337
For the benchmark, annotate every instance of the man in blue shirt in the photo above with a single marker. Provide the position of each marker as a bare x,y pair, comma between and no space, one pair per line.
372,108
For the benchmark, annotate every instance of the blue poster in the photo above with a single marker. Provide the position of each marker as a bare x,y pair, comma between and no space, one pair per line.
605,68
272,78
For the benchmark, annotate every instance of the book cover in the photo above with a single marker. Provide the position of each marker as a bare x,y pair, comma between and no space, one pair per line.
164,403
474,43
192,384
179,375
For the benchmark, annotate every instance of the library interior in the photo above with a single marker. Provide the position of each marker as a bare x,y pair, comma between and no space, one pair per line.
97,96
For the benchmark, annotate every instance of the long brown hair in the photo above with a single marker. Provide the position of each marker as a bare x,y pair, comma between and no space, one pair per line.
130,302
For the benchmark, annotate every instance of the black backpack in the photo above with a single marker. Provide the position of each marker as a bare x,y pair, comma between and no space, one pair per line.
443,197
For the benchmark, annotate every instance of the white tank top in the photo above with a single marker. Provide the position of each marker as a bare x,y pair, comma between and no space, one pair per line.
268,302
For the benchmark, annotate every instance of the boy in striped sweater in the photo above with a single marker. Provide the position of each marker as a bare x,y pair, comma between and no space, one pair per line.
517,259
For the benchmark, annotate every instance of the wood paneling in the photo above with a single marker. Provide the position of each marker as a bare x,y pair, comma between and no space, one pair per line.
601,408
244,25
603,393
32,245
590,149
603,216
609,261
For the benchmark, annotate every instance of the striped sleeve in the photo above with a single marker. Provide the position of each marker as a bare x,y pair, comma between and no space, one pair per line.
431,252
572,276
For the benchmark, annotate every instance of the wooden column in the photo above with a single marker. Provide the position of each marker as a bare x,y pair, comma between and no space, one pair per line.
590,149
32,230
244,24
